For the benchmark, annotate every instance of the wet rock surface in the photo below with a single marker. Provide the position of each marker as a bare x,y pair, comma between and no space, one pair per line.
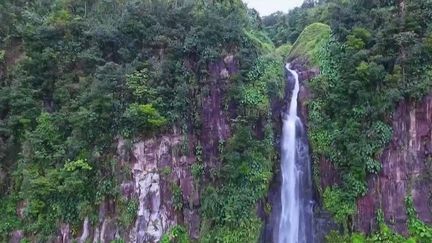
323,222
406,168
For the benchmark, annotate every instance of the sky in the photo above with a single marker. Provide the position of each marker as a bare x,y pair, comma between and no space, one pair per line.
266,7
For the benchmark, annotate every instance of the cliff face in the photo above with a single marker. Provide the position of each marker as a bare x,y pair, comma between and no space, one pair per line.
215,126
158,166
406,167
406,170
161,179
168,194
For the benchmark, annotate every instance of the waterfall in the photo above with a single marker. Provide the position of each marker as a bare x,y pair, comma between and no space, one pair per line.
295,224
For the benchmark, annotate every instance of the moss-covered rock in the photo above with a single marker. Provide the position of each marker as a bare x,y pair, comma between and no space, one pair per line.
283,50
309,42
260,40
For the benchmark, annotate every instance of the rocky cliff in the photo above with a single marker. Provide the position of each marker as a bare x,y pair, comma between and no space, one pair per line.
161,167
406,170
160,176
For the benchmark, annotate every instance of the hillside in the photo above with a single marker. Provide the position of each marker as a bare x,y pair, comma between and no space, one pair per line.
166,121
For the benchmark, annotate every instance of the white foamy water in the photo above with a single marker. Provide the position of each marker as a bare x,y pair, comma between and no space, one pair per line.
295,224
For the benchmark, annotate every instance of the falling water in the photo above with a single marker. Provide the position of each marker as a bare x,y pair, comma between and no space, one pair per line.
295,224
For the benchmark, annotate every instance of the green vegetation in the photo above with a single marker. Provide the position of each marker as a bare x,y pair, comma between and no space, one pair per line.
127,211
2,56
260,40
335,202
266,82
142,119
246,176
85,73
283,50
363,76
177,197
197,170
177,234
229,210
94,71
310,42
419,232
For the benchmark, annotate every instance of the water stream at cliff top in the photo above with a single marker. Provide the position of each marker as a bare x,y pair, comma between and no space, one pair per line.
295,224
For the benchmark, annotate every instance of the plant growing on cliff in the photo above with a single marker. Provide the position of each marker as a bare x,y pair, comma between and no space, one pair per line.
177,234
197,170
245,177
127,211
364,75
177,197
336,203
344,128
140,118
10,220
265,82
94,70
2,56
198,153
418,229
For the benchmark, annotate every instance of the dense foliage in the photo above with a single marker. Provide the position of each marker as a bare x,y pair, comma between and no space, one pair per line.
379,54
230,210
419,232
76,75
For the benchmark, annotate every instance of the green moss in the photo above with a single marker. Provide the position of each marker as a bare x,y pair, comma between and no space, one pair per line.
283,50
260,40
310,41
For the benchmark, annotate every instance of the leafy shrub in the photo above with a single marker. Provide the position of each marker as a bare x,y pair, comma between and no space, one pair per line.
246,231
335,202
142,119
128,210
140,86
421,231
177,197
245,179
177,234
10,220
265,82
197,170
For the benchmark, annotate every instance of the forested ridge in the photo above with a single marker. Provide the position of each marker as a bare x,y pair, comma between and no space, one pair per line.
79,77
